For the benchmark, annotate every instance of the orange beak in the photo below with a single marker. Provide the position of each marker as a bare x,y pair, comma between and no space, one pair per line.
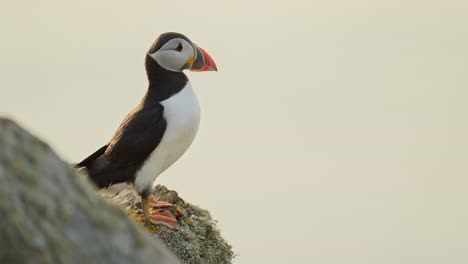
203,62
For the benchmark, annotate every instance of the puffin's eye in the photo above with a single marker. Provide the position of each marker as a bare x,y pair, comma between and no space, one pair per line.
179,47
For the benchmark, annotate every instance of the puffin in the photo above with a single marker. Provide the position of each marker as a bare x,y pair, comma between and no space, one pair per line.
158,131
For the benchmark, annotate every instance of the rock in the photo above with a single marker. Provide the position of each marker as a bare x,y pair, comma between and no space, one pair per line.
198,240
49,215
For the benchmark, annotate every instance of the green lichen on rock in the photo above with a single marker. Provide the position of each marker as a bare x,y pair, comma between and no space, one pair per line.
198,241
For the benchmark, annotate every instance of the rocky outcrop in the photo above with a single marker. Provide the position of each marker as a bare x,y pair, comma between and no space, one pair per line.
49,215
197,241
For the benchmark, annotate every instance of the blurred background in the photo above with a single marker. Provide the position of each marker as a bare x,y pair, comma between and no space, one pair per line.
334,131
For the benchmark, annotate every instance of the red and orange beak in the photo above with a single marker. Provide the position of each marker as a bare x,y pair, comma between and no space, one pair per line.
203,61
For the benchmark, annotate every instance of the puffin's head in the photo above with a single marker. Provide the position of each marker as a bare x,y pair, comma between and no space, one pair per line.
175,52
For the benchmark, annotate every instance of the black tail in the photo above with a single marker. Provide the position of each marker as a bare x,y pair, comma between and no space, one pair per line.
89,160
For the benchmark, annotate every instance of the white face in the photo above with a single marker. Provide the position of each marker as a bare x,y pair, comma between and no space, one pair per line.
176,55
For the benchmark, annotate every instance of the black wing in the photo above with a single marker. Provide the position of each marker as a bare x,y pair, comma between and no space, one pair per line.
134,141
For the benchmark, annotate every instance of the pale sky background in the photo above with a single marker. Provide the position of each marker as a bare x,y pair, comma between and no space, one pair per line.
334,131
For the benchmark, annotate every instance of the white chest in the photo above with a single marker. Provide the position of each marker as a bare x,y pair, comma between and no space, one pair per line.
182,114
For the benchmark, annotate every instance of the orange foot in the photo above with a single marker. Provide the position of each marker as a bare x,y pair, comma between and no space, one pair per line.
163,213
158,205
